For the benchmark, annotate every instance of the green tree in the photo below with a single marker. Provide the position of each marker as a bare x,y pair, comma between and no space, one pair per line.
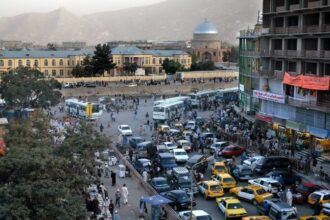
202,66
130,68
26,88
78,71
171,66
102,60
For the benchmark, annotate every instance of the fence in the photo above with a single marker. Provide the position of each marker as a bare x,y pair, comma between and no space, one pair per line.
171,214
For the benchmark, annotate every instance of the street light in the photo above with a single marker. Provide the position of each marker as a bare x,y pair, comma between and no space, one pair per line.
191,182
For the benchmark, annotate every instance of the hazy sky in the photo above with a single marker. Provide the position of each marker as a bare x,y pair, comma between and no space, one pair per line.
15,7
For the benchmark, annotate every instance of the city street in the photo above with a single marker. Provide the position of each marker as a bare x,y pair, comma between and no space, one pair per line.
127,117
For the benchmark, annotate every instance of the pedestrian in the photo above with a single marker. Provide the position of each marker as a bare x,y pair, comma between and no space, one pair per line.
145,175
289,197
135,114
130,154
106,171
314,164
113,178
143,206
101,128
117,196
317,208
111,207
124,191
116,216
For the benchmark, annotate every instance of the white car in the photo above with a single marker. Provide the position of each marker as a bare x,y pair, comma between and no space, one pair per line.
251,162
268,184
125,130
196,215
186,145
132,85
169,145
190,125
180,155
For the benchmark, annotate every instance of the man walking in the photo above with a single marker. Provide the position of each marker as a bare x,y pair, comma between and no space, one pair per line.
113,178
111,207
117,195
125,194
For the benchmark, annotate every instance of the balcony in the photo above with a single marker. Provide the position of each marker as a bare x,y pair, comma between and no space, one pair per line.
266,74
278,30
326,27
314,4
278,53
293,30
312,29
326,54
309,104
280,8
294,53
294,7
312,54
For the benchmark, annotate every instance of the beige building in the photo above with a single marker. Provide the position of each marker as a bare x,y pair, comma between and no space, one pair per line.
206,44
150,60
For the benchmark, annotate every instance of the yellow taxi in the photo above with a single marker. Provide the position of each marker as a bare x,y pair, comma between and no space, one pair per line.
210,189
251,193
231,207
219,167
315,217
322,196
225,180
163,128
256,217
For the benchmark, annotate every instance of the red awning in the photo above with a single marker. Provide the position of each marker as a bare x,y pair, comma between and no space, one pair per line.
264,118
307,82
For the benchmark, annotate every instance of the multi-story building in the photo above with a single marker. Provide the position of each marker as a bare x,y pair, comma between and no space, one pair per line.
51,63
150,60
294,89
249,66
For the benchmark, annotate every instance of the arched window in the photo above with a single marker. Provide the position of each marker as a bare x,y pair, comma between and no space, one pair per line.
36,63
61,62
46,62
10,63
53,62
20,63
28,63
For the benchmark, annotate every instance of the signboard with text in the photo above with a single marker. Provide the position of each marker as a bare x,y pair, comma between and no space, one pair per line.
268,96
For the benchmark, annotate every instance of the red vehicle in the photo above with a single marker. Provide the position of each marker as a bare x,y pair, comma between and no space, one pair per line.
303,190
232,150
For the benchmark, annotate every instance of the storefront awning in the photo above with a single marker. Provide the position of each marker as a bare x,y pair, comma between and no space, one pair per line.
307,82
295,126
264,118
318,132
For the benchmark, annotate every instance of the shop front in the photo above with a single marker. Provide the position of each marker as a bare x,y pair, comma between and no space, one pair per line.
321,141
297,134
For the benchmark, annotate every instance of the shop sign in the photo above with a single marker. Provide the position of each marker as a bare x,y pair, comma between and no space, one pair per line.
307,82
241,87
268,96
263,118
318,132
295,126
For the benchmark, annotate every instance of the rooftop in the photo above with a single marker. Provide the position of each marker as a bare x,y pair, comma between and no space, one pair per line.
44,53
206,28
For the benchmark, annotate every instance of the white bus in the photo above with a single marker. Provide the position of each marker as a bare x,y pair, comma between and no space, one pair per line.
173,99
206,94
228,95
77,108
166,111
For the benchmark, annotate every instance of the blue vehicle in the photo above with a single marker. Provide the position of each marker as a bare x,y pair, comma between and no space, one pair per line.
166,161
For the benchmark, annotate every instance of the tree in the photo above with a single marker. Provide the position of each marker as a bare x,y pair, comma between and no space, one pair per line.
78,71
51,46
130,68
208,65
171,66
26,88
102,60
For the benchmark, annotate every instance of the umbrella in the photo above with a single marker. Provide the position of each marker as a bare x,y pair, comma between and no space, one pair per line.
156,200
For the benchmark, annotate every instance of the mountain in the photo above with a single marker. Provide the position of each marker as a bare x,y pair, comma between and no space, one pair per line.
168,20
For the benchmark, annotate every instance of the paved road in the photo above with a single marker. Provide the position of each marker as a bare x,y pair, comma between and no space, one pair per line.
127,117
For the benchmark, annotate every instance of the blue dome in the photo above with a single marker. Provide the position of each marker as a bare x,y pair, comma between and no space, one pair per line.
206,28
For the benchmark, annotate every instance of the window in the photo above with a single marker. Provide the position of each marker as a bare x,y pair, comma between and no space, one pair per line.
277,44
28,63
53,72
10,63
46,72
292,67
292,44
72,63
45,62
61,72
20,63
154,61
68,62
61,62
53,62
36,63
1,63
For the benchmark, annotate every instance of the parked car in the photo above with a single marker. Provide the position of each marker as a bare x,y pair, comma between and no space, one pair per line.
134,141
231,150
242,173
267,164
166,161
254,194
169,145
160,184
218,146
180,155
285,177
142,164
180,200
268,184
210,189
200,160
195,214
231,207
184,144
90,85
321,196
125,130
